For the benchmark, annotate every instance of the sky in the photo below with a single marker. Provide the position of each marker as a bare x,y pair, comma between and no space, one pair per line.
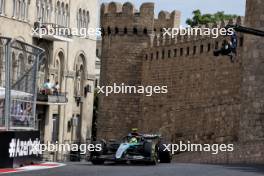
188,6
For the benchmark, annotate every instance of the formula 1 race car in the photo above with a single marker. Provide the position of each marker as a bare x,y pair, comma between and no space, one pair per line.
135,148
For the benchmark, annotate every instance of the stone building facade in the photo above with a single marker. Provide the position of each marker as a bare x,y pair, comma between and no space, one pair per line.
68,60
210,99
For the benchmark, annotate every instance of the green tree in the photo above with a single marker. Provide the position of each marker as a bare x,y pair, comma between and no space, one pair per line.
200,19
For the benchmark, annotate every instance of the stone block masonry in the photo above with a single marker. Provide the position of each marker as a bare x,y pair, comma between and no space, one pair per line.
203,100
210,99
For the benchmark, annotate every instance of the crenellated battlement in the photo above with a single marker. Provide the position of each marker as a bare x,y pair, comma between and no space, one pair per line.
117,18
161,47
158,40
167,20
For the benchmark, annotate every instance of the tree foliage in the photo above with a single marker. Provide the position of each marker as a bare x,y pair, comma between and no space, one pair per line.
200,19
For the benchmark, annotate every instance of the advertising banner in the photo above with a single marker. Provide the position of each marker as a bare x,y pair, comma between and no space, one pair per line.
19,148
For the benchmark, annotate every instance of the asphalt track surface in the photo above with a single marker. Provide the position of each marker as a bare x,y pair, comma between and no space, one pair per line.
173,169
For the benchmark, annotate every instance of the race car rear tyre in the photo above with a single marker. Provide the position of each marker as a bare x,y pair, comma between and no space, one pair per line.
151,150
164,156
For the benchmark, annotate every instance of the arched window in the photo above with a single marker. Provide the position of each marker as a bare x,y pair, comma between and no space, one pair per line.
42,73
26,9
18,15
80,75
42,12
84,19
62,15
38,11
50,10
47,6
14,8
80,18
2,7
58,12
87,19
59,65
67,16
23,10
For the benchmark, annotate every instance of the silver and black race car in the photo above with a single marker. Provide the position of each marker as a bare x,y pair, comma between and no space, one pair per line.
135,148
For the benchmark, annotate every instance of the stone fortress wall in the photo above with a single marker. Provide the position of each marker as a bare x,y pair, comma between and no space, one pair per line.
206,97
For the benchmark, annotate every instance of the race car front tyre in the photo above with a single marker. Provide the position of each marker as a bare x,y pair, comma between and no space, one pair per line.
95,154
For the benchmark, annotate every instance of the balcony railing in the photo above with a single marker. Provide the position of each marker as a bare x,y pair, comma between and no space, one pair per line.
52,32
48,98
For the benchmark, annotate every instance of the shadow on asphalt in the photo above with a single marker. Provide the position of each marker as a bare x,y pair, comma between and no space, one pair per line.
114,164
247,168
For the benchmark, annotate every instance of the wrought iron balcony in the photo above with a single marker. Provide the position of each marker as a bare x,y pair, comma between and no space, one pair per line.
52,32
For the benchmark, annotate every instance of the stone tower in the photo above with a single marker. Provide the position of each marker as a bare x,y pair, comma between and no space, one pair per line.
126,33
252,115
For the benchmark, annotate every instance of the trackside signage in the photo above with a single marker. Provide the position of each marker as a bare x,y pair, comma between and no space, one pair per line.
19,148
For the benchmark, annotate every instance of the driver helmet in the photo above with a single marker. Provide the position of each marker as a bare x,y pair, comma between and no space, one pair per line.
133,140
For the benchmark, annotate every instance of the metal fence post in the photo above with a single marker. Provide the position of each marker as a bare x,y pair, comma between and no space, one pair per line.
8,59
35,71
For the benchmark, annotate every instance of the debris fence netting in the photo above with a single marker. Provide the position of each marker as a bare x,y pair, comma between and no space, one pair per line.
18,68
